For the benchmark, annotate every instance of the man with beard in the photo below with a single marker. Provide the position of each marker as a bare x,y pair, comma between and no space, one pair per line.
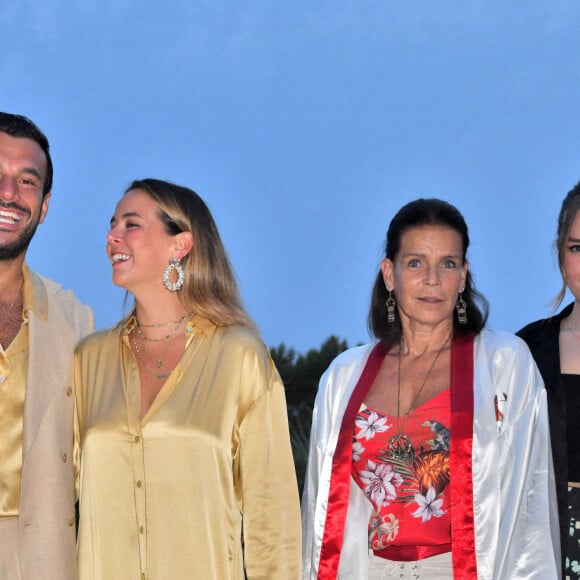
40,324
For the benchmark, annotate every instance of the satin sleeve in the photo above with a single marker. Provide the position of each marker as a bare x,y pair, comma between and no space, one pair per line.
265,478
528,545
76,425
309,496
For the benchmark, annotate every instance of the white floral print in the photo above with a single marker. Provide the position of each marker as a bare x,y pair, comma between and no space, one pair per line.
381,531
370,425
408,493
429,505
380,482
357,450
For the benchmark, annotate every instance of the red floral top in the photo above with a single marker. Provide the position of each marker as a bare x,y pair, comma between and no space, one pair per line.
402,466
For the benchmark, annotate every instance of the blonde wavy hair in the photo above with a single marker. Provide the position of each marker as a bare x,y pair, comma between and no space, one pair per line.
210,289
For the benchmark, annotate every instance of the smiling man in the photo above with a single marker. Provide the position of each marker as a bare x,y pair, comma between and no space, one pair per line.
40,324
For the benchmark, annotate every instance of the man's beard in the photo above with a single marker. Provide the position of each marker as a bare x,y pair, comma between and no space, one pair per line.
12,250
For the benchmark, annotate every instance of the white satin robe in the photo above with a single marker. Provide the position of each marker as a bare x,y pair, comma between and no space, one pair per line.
515,513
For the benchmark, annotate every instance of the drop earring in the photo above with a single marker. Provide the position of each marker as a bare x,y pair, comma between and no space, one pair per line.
173,266
461,308
391,303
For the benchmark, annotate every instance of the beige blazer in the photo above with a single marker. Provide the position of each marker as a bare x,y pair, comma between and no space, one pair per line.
46,527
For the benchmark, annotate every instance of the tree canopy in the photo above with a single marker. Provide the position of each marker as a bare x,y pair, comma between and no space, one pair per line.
301,374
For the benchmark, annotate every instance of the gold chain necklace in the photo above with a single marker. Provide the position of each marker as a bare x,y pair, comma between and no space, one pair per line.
400,445
159,363
175,328
160,324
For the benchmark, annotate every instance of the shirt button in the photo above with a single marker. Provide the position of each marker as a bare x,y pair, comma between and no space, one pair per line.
71,522
141,530
139,484
69,392
64,457
137,439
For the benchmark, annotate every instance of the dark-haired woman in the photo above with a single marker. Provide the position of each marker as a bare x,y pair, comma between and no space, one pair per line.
430,454
186,470
555,345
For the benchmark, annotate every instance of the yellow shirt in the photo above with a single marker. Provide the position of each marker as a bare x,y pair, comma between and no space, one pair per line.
13,371
171,496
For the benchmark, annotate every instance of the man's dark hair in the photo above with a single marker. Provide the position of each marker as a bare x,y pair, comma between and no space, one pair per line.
22,127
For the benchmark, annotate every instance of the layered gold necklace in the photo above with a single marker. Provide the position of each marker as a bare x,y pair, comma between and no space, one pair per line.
138,340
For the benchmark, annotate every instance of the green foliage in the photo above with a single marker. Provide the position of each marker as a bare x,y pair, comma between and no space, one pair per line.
301,374
300,421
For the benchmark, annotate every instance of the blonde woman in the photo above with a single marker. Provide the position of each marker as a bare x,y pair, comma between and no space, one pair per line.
555,345
185,464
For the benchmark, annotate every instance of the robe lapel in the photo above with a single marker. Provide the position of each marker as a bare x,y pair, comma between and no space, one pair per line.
341,468
460,459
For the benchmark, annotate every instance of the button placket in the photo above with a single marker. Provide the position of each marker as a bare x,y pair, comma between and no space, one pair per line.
140,498
136,443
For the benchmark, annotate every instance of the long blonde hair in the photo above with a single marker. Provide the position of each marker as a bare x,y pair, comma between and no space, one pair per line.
210,288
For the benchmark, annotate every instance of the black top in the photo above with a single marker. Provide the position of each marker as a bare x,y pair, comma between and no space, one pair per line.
572,386
543,340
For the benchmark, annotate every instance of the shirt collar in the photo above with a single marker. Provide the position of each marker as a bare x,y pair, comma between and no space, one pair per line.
34,295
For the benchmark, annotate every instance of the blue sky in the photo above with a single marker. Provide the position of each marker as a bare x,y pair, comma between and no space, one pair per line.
305,126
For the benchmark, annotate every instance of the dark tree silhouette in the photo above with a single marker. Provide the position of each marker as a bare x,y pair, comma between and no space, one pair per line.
301,374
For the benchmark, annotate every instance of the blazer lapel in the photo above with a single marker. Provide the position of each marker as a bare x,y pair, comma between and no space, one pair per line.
50,351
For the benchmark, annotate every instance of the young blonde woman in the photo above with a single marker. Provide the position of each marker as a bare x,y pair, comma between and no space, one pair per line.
185,466
555,345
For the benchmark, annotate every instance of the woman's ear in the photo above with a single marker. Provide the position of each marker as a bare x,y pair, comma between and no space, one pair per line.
464,273
183,244
388,277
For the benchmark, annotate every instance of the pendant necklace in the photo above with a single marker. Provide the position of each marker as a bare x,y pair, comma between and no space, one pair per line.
140,350
400,445
159,363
